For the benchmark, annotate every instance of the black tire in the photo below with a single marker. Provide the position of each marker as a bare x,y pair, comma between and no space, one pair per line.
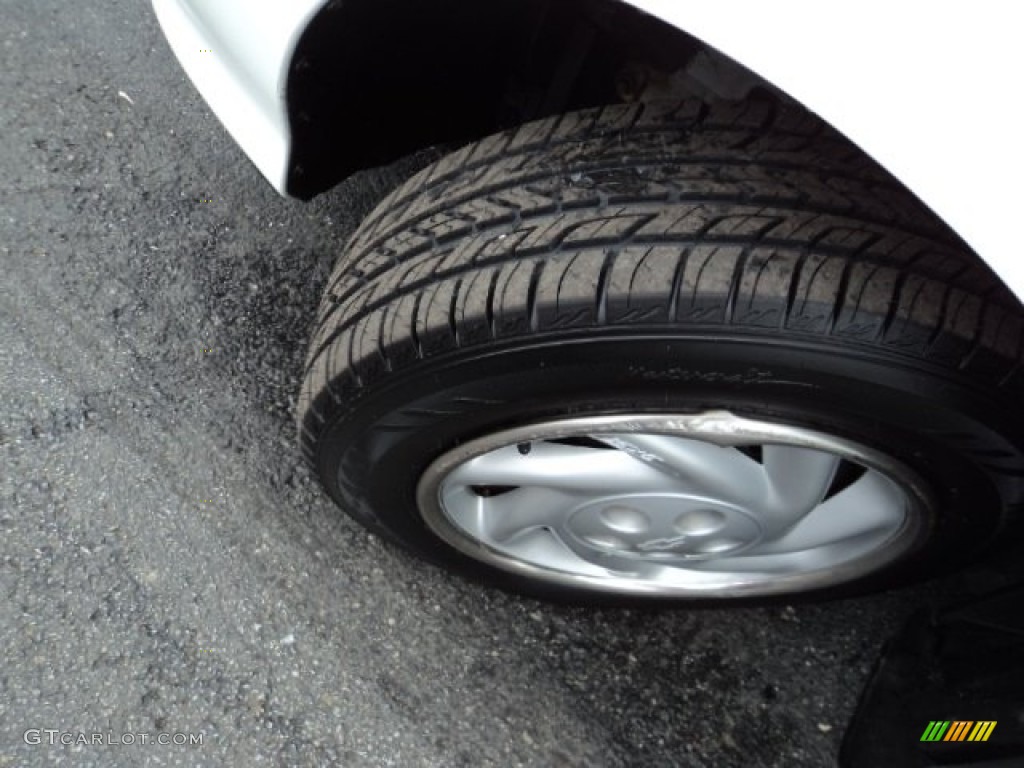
666,257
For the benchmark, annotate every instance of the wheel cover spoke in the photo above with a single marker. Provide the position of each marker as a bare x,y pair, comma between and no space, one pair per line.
566,467
697,505
856,512
797,480
717,471
525,509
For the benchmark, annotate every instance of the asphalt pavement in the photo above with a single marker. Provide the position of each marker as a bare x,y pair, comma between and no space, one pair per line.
168,566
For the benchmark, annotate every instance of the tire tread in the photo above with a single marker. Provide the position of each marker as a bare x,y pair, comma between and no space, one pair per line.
749,217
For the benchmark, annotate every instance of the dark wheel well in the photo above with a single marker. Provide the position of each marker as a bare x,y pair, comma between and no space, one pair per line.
465,70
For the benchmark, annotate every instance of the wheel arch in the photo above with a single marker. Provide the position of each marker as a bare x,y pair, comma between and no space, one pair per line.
370,82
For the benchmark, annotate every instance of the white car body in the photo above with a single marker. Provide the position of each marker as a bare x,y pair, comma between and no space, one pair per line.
923,87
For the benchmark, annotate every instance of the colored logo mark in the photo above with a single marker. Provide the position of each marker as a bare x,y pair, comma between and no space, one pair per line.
958,730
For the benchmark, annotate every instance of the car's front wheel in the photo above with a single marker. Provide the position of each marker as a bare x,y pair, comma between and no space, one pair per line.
668,352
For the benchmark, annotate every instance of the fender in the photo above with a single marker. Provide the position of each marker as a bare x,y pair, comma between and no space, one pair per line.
923,87
928,89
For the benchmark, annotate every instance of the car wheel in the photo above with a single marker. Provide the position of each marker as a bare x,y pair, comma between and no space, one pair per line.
668,352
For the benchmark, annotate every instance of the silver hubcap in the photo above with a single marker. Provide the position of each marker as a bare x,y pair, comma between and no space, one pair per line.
701,505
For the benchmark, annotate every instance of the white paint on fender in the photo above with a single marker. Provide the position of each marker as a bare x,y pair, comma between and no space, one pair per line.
929,88
237,53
